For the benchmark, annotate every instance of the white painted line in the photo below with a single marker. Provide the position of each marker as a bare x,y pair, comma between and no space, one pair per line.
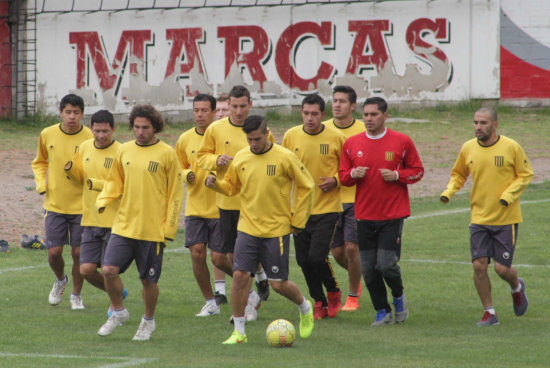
17,269
461,210
413,260
128,361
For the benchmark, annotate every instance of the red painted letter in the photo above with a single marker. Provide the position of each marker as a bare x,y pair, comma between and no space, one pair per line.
415,33
369,48
287,47
186,40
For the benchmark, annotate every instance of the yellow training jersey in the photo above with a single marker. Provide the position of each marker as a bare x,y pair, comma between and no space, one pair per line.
90,168
199,201
320,153
55,148
356,127
265,184
150,182
222,138
500,171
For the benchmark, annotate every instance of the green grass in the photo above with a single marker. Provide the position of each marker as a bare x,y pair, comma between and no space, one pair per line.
440,332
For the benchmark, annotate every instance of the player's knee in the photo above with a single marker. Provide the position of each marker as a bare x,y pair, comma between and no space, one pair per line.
87,269
110,271
198,252
501,269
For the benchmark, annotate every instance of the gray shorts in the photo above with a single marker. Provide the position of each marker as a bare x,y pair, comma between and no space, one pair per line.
497,242
346,228
94,242
62,229
272,253
121,251
203,230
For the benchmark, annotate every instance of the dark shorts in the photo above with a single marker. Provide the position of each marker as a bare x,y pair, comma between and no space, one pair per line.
313,243
62,229
94,242
272,253
121,251
346,229
497,242
203,230
229,219
385,235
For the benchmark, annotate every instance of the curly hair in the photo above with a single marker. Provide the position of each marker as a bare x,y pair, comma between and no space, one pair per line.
150,113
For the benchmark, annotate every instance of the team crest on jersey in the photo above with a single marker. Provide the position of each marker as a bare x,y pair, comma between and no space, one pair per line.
323,148
271,170
108,162
389,155
359,153
153,166
499,161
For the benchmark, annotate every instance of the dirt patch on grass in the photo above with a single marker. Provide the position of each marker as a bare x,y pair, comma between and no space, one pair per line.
21,210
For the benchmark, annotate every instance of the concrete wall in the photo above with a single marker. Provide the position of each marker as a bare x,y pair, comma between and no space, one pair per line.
416,50
5,62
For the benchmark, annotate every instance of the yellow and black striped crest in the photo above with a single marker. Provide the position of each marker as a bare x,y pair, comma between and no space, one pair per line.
271,170
389,155
153,166
499,161
108,162
324,148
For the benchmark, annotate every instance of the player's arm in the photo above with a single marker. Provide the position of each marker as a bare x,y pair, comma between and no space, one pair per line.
95,184
524,175
187,172
348,174
40,166
303,193
113,187
230,185
73,169
206,155
459,175
412,169
174,197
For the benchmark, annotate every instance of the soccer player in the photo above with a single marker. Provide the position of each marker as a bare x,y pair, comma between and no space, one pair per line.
319,148
222,111
381,163
221,141
202,218
90,168
264,175
146,176
500,172
344,244
62,198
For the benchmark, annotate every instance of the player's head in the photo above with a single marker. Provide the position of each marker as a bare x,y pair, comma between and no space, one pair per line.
239,104
72,99
375,115
257,134
146,121
222,106
102,125
313,112
486,124
204,107
344,101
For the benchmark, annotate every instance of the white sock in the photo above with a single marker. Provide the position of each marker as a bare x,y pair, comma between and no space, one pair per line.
220,286
490,310
118,312
518,289
239,324
304,307
261,276
211,301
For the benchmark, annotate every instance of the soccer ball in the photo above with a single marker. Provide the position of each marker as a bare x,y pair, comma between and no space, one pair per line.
280,333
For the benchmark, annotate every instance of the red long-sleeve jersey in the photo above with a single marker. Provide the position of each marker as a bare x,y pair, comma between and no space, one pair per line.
376,199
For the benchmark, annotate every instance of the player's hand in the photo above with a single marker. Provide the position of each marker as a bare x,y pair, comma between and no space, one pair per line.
444,199
389,175
101,209
191,177
224,160
295,230
359,172
68,165
503,203
327,184
210,180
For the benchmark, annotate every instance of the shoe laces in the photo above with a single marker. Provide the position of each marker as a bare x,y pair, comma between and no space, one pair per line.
486,316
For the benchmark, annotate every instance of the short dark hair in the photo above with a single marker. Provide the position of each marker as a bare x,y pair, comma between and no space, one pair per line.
71,99
378,101
103,116
239,91
314,99
352,96
150,113
223,97
492,112
254,122
205,97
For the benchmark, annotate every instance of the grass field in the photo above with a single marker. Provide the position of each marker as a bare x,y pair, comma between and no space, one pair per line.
440,332
444,305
